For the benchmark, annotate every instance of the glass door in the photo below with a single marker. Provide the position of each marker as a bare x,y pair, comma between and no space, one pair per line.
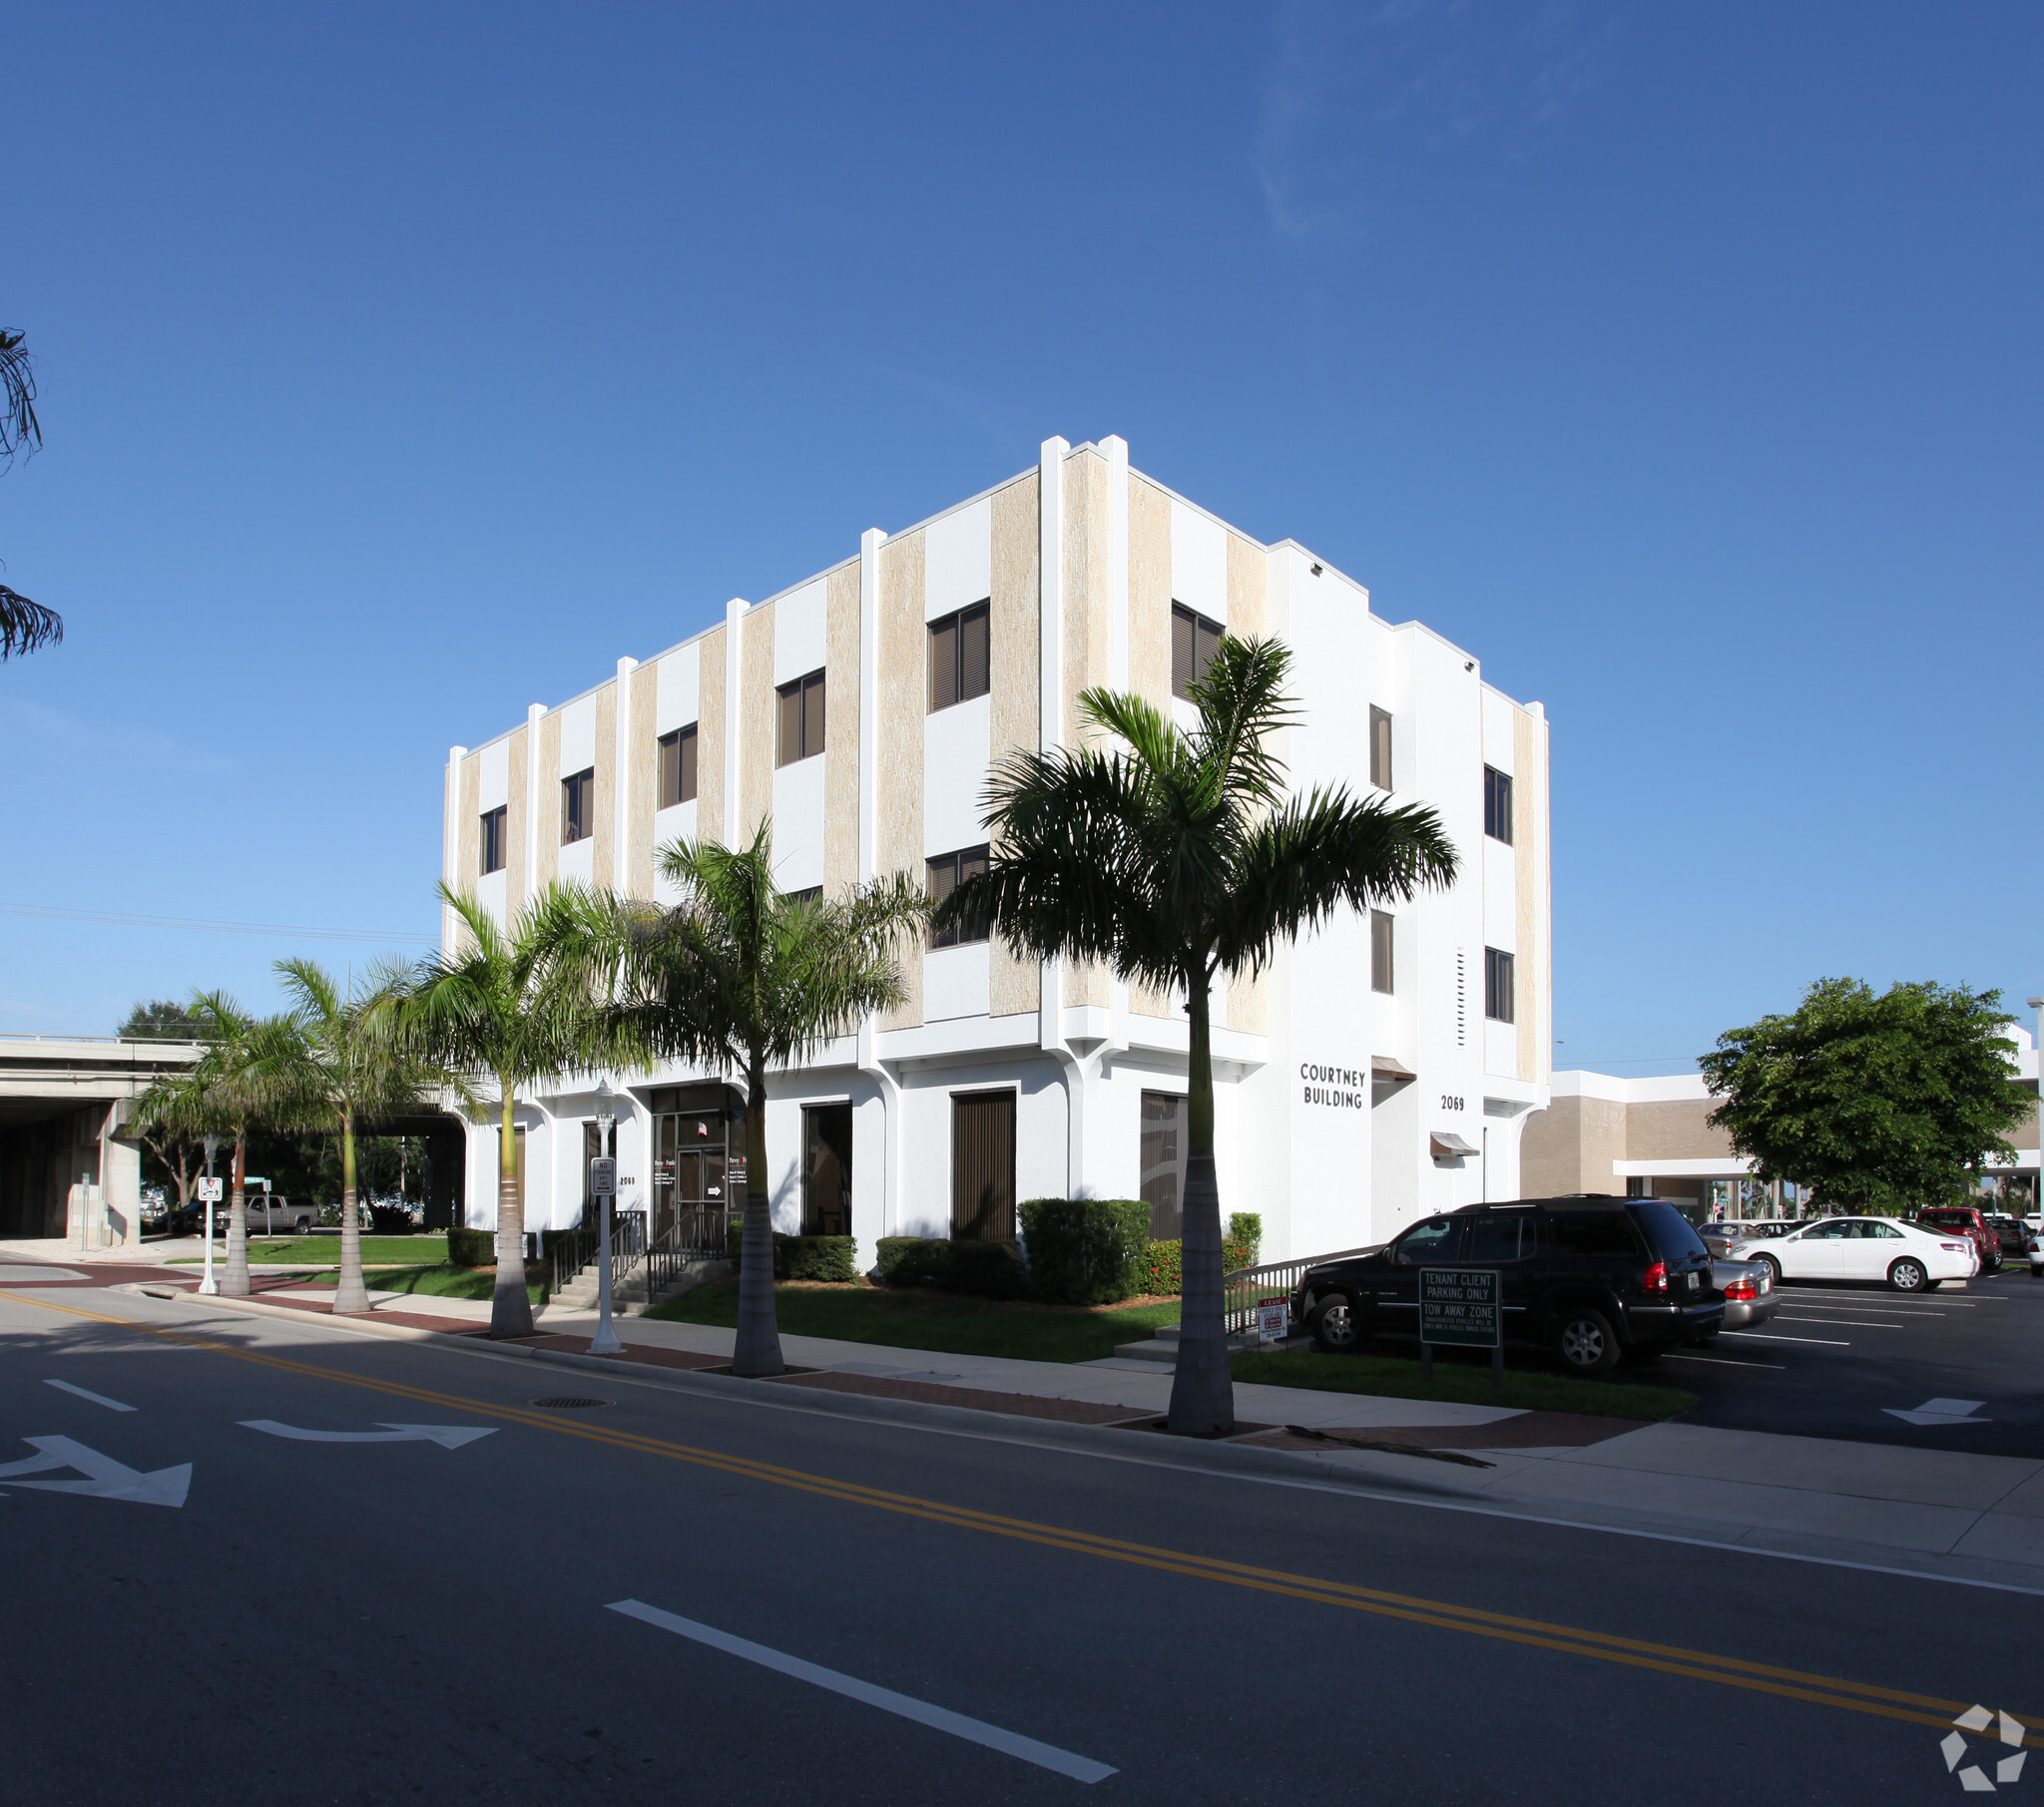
689,1190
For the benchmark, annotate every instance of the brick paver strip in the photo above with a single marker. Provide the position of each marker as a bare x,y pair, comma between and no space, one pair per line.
1528,1430
1015,1405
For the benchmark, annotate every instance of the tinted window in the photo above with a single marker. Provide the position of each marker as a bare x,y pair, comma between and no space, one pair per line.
1670,1234
1883,1230
1827,1232
1437,1239
1496,1236
1592,1233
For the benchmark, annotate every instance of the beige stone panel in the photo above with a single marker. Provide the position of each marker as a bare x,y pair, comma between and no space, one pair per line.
1149,592
548,828
1248,1001
1088,982
710,740
643,745
515,826
1086,622
1529,879
1143,1001
469,831
1674,1129
840,754
601,871
1248,587
1015,984
1570,1148
757,719
902,699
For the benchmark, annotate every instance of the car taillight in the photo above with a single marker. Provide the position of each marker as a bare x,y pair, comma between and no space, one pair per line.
1740,1289
1656,1277
1957,1248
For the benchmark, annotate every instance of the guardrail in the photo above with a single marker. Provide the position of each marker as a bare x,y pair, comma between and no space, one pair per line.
1241,1289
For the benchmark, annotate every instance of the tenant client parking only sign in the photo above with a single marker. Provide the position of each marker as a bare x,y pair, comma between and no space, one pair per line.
1462,1307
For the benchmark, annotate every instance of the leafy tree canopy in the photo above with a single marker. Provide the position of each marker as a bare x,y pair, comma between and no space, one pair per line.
160,1020
1871,1100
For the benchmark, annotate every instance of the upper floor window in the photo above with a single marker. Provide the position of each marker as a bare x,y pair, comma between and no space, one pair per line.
1498,804
1382,971
1381,748
1499,1004
1192,639
959,658
577,806
802,719
807,895
947,872
494,851
677,767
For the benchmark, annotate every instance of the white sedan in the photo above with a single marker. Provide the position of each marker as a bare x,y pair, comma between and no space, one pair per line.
1863,1249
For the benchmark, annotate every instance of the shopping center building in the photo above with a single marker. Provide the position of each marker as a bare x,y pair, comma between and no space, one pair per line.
1380,1070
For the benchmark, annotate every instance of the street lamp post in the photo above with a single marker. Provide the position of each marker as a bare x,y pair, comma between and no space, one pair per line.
208,1284
603,1188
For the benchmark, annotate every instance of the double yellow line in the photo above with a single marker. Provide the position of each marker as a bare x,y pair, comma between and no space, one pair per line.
1603,1647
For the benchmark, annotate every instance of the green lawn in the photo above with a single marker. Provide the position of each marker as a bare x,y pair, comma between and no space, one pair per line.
1464,1381
912,1319
441,1281
294,1252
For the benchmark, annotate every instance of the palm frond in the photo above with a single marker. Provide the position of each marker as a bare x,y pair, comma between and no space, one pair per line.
25,626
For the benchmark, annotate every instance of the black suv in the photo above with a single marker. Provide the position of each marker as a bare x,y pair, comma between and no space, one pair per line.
1590,1277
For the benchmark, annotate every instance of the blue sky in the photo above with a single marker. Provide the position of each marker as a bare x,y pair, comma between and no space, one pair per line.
404,365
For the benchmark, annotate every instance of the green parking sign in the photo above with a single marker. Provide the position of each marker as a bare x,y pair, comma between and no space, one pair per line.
1463,1306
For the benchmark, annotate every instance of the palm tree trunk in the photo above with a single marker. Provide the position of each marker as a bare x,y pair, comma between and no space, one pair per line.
235,1280
351,1295
510,1304
758,1350
1202,1390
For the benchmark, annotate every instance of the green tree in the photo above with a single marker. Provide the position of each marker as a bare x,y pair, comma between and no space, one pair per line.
1177,858
161,1019
24,625
739,977
339,1058
1888,1100
510,1007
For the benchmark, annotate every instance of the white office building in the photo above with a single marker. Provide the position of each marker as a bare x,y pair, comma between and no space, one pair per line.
1378,1071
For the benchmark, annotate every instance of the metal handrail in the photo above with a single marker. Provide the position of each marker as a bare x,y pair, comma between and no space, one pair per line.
575,1250
1241,1289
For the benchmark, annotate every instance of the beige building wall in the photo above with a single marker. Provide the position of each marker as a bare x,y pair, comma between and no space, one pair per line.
547,830
901,698
1149,592
756,720
709,736
516,828
468,832
1249,617
1672,1129
1569,1147
1087,624
1014,651
601,869
644,747
841,754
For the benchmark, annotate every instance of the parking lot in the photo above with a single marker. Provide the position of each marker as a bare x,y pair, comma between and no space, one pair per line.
1840,1359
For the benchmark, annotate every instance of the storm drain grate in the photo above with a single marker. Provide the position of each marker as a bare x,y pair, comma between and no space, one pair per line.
568,1402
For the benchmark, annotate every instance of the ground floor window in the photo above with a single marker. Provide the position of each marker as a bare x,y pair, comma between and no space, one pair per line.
1164,1162
691,1151
983,1167
826,1171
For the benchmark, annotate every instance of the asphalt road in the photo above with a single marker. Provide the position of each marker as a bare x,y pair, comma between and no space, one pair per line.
398,1620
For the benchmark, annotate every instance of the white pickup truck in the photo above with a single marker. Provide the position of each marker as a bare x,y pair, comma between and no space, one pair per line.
267,1214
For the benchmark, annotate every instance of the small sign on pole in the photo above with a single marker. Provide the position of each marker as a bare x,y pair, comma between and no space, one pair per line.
1273,1320
603,1177
211,1191
1462,1307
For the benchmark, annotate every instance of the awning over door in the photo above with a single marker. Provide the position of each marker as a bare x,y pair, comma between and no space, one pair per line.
1447,1143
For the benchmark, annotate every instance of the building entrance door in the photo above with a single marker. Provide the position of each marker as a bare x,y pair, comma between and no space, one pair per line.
689,1158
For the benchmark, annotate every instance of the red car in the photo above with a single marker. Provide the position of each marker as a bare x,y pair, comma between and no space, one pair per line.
1964,1221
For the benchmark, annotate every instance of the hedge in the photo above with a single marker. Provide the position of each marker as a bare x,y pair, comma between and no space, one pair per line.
1084,1251
472,1247
1161,1266
990,1270
801,1257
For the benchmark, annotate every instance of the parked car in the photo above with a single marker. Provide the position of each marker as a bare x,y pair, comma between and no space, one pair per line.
269,1215
1965,1220
1591,1277
1749,1289
2012,1233
1907,1258
2035,1250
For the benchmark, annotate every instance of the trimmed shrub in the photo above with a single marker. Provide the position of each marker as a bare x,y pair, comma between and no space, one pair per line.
1084,1251
801,1257
1161,1266
1245,1227
988,1270
472,1247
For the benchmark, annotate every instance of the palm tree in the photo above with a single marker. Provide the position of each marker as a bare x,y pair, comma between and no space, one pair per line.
737,975
1178,858
24,625
511,1007
338,1060
233,1075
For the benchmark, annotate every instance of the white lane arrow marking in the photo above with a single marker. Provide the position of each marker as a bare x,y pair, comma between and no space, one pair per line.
447,1436
106,1478
98,1399
1941,1411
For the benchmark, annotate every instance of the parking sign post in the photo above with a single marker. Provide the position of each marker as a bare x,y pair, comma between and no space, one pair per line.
1463,1308
208,1196
603,1189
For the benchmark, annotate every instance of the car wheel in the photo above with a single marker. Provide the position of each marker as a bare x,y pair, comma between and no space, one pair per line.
1773,1268
1587,1344
1908,1275
1336,1328
303,1227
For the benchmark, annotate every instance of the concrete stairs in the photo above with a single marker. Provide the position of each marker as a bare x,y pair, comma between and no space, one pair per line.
627,1286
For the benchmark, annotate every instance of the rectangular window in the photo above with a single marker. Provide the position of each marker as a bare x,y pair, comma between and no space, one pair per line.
826,1171
1192,639
1164,1163
1381,748
1497,805
1498,1003
810,894
959,658
577,806
947,872
1382,970
677,767
494,851
983,1167
802,719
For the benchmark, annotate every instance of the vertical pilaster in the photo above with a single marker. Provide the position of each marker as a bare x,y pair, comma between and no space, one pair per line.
1115,450
533,714
621,784
1050,672
869,544
733,717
